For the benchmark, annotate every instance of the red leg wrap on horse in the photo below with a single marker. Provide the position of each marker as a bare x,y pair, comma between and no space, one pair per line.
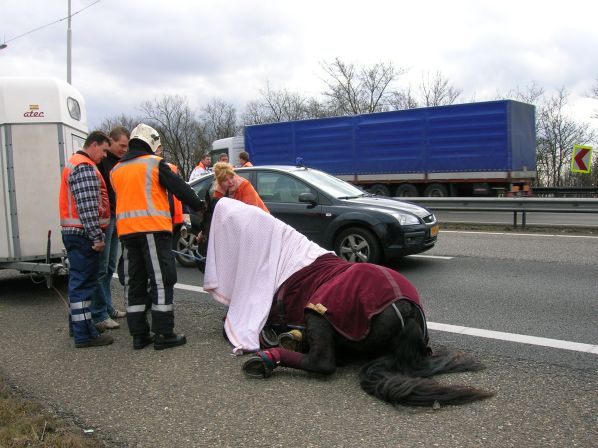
287,358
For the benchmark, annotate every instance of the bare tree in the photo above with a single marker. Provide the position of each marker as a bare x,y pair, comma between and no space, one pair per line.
316,109
278,105
435,90
531,94
557,134
594,94
218,120
127,121
178,127
356,90
403,99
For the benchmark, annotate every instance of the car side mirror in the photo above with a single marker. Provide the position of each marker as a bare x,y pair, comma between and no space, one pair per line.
308,198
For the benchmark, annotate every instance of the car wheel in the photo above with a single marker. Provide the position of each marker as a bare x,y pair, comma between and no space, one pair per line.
407,191
358,245
436,191
187,245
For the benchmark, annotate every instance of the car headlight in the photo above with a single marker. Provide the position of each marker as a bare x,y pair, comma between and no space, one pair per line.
405,218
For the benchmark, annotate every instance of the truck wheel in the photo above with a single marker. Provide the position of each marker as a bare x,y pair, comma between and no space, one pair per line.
186,245
436,191
379,189
407,191
358,245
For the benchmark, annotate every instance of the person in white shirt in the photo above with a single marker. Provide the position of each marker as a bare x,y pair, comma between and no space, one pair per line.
203,167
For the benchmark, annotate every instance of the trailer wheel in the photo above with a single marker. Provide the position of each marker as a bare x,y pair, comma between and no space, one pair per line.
358,245
407,191
436,191
380,190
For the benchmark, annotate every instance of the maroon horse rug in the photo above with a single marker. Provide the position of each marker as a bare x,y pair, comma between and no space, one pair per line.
346,294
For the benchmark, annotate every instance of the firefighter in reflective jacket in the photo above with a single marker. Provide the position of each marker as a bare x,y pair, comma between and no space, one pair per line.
141,182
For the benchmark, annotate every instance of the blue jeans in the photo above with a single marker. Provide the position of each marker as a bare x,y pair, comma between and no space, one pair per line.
83,281
101,304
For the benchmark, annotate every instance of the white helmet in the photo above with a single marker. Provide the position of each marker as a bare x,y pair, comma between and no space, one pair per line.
147,134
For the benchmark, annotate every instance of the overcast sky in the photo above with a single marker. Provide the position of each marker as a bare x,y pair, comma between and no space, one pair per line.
128,51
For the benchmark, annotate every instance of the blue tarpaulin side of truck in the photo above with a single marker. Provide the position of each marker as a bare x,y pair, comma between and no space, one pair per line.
475,137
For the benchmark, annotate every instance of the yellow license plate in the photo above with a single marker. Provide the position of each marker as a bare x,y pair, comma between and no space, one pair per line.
434,230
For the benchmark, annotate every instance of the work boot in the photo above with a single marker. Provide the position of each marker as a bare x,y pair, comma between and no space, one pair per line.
142,340
116,314
102,339
162,341
107,324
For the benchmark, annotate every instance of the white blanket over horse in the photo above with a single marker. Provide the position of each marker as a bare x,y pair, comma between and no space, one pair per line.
250,254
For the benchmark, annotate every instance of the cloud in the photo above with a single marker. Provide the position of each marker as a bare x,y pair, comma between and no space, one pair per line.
128,52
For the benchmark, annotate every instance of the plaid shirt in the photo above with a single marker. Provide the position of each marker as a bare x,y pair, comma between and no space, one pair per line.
85,187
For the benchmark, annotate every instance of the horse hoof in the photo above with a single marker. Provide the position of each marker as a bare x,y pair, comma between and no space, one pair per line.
291,340
256,367
268,338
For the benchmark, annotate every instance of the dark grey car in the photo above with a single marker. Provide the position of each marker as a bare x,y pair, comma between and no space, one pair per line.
358,226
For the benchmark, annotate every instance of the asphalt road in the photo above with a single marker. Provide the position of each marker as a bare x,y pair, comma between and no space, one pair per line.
196,395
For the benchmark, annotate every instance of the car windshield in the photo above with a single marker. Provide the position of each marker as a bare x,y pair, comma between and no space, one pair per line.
330,184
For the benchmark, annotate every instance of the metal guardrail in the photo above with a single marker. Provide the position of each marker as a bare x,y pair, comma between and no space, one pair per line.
565,192
515,205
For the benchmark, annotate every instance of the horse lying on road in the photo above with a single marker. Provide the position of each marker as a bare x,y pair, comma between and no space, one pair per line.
269,274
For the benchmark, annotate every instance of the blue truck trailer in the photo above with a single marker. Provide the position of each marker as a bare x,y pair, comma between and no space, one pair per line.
484,148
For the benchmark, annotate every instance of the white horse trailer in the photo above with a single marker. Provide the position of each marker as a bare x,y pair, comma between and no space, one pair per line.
42,123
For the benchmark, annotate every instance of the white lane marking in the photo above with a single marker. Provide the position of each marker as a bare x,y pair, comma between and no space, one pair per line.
513,337
437,257
519,234
181,286
190,288
479,332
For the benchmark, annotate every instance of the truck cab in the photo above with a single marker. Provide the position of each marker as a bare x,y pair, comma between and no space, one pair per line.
232,146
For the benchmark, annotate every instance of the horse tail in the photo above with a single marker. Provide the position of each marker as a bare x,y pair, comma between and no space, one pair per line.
403,376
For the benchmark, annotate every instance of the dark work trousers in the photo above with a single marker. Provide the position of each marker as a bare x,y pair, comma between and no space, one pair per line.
84,265
150,275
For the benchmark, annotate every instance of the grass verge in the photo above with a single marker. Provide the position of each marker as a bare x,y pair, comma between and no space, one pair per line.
24,423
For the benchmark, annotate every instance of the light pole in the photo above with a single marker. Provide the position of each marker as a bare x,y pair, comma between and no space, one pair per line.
68,47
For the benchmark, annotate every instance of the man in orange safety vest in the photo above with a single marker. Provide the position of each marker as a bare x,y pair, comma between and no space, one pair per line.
141,182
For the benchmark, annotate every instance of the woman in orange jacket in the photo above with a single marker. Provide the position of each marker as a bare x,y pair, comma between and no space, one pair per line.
229,184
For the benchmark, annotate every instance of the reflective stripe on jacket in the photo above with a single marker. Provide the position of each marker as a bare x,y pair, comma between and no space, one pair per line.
141,202
69,216
177,210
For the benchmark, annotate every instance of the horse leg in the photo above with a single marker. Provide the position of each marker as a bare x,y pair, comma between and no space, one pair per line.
319,359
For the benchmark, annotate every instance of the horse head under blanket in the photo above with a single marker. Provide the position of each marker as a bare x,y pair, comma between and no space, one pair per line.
271,275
